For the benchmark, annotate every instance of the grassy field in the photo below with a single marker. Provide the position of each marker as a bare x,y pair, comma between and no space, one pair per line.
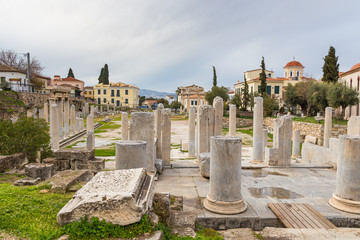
106,152
312,120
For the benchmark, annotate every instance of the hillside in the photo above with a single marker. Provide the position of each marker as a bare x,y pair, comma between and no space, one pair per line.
155,94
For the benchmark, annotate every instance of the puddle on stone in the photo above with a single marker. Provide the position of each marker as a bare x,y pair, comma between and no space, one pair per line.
273,192
258,173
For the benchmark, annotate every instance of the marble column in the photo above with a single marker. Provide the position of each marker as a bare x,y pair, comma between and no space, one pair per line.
265,141
158,122
224,195
46,112
90,123
61,118
353,125
166,136
82,128
92,110
347,193
205,127
296,143
90,140
327,126
131,154
77,125
142,128
258,130
218,105
41,113
232,120
191,132
66,118
54,129
124,126
72,120
101,109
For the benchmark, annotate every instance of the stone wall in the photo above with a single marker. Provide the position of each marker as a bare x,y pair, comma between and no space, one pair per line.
33,99
313,129
240,122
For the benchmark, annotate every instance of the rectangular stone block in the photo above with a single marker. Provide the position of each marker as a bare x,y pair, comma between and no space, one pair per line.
96,165
14,161
78,164
74,154
63,180
61,165
39,170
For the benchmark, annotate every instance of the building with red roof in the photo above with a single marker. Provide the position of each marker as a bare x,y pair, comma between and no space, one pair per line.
351,78
78,84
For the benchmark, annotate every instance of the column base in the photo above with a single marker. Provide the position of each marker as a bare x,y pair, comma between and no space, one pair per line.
345,204
225,207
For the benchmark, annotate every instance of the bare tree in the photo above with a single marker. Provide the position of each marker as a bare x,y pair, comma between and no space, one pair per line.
19,61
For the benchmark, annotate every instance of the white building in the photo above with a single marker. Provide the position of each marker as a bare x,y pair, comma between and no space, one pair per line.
170,98
16,78
351,79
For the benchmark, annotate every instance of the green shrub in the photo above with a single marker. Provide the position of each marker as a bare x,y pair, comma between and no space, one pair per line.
26,135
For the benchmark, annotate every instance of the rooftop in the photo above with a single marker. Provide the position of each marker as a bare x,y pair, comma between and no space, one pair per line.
293,64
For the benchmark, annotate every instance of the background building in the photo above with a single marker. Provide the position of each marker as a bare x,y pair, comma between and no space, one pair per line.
17,79
78,84
351,79
191,96
117,94
89,93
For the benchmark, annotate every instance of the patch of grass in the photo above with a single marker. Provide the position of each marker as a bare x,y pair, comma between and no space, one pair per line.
107,152
179,117
110,125
246,131
28,213
312,120
201,234
258,236
10,178
100,130
74,144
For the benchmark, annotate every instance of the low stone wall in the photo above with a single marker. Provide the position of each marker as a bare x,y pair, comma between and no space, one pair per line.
33,99
14,161
240,122
313,129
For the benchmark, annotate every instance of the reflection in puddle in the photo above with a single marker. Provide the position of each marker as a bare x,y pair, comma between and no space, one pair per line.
258,173
273,192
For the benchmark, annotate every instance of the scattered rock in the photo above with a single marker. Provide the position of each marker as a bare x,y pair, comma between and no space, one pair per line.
158,165
119,197
14,161
62,181
157,235
310,139
27,181
161,206
184,232
39,170
204,160
74,154
238,233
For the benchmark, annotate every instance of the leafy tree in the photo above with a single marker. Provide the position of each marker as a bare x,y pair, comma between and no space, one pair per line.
106,74
246,95
26,135
262,78
216,91
101,76
178,91
4,85
317,96
297,95
214,77
175,105
236,100
70,73
164,102
252,101
141,99
270,105
342,96
330,67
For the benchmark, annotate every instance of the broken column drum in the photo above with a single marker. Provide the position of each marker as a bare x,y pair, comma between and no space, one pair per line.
90,140
258,130
224,195
191,143
296,143
166,136
124,126
142,128
232,120
347,194
130,154
327,126
90,123
218,105
205,128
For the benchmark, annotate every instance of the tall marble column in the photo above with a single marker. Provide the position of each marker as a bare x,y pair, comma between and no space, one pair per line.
66,117
142,128
258,130
46,112
205,127
90,140
347,193
72,120
124,126
218,105
327,126
158,122
296,143
224,195
232,120
61,118
166,136
265,141
192,132
90,123
54,129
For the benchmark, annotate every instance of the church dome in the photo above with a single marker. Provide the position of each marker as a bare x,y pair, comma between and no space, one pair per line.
293,64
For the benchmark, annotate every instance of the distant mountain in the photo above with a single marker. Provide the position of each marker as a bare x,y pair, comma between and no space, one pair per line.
155,94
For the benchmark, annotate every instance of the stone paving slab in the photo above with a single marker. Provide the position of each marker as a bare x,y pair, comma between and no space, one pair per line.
260,186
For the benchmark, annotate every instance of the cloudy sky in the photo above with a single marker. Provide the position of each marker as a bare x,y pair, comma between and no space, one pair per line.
163,44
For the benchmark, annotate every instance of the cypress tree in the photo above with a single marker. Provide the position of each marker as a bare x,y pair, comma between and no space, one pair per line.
101,77
106,74
246,95
262,78
214,77
331,67
70,73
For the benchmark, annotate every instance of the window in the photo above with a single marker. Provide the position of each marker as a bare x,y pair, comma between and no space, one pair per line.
112,93
118,93
251,88
277,89
258,89
298,73
350,83
104,91
268,90
104,100
126,92
77,85
290,74
192,102
126,100
99,92
195,102
269,75
99,100
112,100
118,102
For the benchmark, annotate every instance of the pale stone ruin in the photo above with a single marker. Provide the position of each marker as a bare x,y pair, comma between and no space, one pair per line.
66,118
166,136
46,112
265,141
353,127
72,120
280,153
327,127
218,105
205,127
296,144
191,142
129,192
90,140
204,164
124,126
225,170
54,130
158,121
258,130
142,128
131,154
232,120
